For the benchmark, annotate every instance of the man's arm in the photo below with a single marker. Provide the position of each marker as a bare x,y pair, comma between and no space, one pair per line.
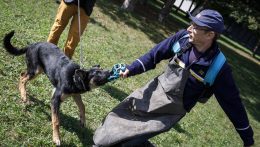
161,51
227,95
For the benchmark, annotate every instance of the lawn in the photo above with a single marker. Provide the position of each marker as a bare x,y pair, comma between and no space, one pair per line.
112,36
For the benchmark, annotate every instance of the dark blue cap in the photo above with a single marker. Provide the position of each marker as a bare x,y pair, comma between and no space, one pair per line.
209,18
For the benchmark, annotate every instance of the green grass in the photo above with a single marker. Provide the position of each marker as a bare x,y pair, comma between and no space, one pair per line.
112,36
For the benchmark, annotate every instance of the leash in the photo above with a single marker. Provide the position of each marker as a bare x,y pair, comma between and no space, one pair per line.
116,70
80,47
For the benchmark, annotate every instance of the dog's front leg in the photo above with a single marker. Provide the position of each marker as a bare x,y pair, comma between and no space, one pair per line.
81,106
55,106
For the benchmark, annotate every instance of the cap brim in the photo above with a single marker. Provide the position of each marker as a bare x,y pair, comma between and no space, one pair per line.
197,21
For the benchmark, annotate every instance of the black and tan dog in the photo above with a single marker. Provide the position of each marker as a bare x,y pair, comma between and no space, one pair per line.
66,76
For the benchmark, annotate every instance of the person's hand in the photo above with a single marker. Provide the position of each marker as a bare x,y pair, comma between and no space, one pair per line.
124,74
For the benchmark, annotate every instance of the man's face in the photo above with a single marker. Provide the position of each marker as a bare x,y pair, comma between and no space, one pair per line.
198,34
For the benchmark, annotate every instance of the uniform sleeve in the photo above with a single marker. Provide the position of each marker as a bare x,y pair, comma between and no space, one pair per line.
227,95
158,53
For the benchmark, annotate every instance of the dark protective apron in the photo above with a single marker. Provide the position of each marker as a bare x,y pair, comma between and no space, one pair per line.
152,109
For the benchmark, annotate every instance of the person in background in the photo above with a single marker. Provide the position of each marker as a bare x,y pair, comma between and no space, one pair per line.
166,10
255,48
68,10
162,102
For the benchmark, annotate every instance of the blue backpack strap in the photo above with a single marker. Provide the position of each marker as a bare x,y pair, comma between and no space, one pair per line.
176,47
214,68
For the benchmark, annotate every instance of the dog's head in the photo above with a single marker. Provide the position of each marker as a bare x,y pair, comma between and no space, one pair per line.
91,78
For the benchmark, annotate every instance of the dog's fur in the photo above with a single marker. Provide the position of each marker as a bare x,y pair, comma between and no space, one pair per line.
66,76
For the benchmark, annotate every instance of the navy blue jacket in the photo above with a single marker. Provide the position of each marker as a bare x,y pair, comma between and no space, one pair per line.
87,5
224,88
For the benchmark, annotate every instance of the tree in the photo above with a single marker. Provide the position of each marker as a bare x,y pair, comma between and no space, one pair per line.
243,12
246,12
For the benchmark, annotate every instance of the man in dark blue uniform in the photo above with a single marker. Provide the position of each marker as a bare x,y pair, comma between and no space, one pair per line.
162,102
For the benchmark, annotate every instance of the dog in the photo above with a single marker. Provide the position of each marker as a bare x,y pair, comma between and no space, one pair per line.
66,76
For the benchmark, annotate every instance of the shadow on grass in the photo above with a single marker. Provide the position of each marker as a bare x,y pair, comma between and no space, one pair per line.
178,128
98,24
247,76
249,52
67,122
40,105
72,125
115,92
144,18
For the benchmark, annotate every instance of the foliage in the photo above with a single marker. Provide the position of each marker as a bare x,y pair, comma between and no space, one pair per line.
245,12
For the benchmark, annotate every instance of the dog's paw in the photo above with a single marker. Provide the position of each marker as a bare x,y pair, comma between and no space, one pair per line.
56,141
26,102
82,123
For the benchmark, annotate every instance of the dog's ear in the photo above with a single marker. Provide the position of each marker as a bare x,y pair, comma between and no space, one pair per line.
80,77
82,74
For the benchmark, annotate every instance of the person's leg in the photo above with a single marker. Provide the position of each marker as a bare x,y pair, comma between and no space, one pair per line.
73,35
63,16
129,5
166,9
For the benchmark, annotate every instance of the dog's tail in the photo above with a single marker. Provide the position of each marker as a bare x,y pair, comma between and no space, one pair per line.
10,48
